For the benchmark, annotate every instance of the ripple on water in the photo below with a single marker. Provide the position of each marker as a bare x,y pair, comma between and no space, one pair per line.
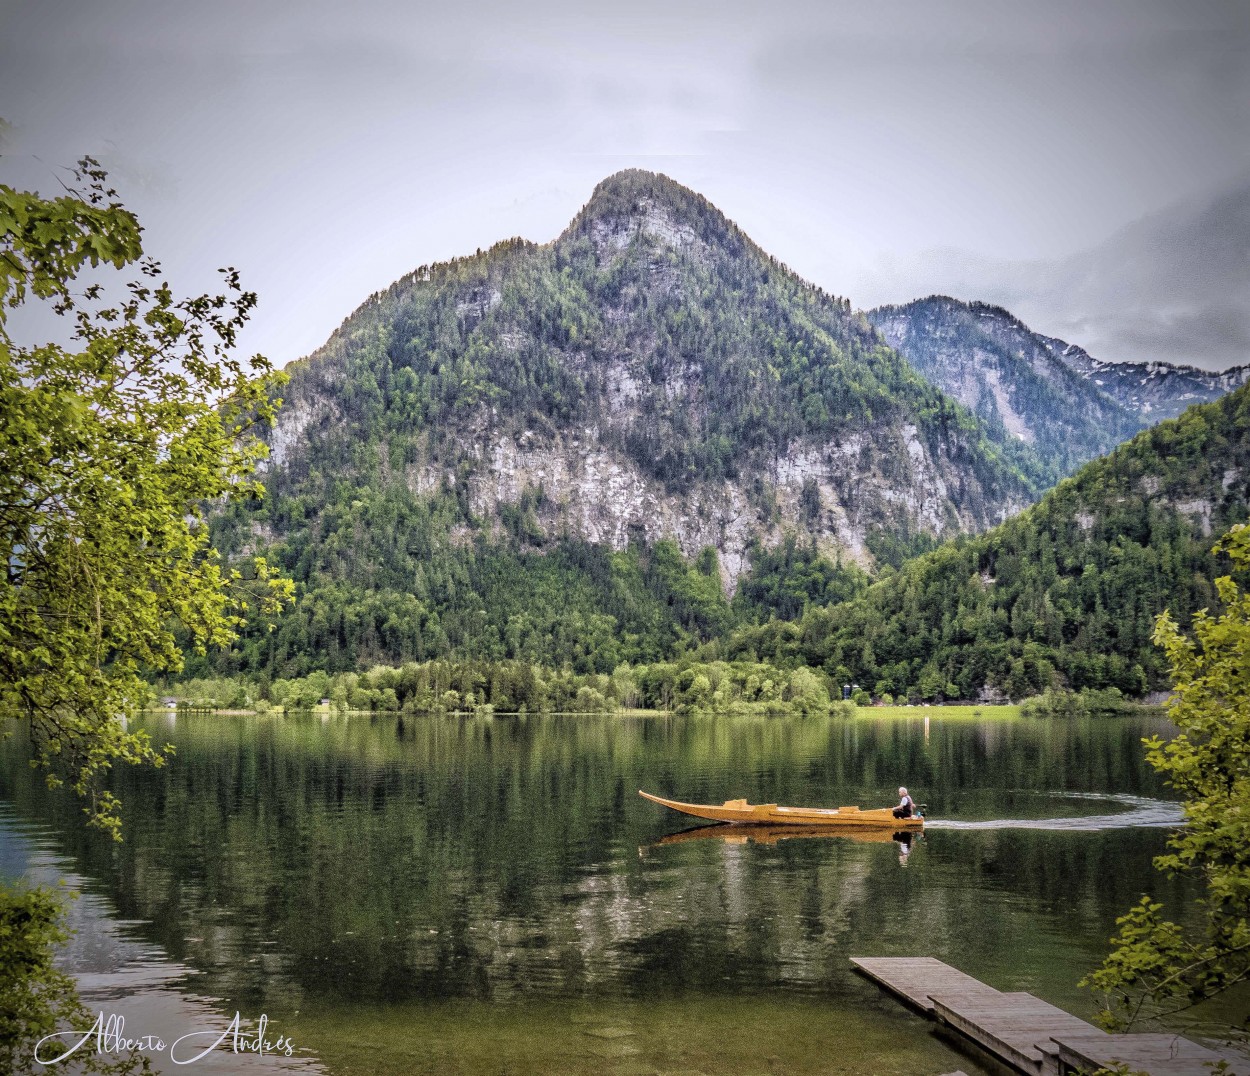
1141,812
120,975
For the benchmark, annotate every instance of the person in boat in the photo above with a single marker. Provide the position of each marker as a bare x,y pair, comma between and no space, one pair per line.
906,806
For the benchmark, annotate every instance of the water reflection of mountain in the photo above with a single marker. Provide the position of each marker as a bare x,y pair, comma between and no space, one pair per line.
369,858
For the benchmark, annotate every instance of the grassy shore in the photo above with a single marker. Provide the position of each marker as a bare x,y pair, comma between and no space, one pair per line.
980,713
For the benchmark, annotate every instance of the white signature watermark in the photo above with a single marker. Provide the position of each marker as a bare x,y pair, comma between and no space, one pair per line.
110,1037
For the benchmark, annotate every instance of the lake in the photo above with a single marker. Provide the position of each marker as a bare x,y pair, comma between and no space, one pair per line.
461,895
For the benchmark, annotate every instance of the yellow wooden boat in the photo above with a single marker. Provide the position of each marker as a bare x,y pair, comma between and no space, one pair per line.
772,815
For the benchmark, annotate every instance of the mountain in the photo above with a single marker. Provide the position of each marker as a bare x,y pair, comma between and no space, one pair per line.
1154,390
534,447
1010,377
1066,405
1064,594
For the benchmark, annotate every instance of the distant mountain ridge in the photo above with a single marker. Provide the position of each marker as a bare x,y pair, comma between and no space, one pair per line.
1068,406
1009,376
1154,390
1173,286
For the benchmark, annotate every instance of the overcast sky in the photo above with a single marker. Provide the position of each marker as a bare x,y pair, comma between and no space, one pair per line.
882,149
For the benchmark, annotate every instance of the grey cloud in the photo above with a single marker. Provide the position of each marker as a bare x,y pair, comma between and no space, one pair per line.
1173,286
328,148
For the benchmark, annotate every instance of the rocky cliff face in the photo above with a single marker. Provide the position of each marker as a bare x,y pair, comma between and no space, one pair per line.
650,374
840,493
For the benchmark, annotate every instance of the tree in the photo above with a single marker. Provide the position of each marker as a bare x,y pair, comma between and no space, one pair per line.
109,449
36,997
1156,962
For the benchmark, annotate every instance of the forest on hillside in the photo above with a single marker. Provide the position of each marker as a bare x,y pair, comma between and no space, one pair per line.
1064,595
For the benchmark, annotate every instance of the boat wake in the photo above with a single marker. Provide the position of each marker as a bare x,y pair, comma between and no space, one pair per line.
1140,812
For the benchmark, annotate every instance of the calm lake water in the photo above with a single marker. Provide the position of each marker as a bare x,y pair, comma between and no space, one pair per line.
457,895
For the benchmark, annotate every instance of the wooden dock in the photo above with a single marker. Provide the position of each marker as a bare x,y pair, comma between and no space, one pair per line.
1169,1054
916,978
1010,1026
1028,1034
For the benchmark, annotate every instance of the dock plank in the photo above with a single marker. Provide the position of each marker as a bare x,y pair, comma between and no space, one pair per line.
916,979
1158,1054
1028,1034
1010,1026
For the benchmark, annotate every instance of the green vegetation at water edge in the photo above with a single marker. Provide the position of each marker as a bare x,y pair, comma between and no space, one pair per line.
520,687
975,713
671,687
1157,965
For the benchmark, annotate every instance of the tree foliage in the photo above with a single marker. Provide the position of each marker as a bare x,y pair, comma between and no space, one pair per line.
1159,965
1066,593
37,998
109,448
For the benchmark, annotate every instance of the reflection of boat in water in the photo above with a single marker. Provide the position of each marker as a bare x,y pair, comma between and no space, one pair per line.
771,834
770,814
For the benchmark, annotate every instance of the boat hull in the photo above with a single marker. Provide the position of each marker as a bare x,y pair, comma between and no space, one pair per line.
770,814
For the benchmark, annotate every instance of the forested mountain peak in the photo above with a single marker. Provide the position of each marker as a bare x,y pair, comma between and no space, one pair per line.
732,400
636,200
649,381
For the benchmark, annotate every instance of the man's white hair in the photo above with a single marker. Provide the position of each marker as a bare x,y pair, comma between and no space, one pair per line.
902,791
